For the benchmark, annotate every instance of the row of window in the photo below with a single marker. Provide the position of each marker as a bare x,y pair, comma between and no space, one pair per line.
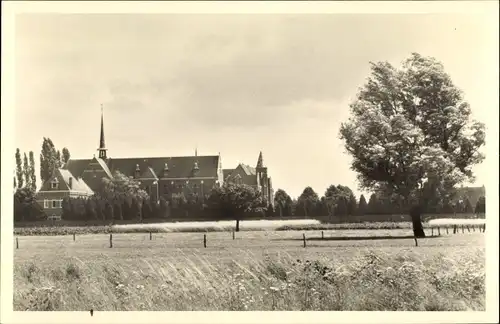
55,203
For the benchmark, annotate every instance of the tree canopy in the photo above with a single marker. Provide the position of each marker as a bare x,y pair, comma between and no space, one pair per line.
410,133
308,201
121,186
284,202
233,201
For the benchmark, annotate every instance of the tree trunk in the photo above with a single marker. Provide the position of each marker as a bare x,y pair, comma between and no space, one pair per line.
237,225
415,214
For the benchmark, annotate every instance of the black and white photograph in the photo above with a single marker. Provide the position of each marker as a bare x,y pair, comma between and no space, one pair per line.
251,161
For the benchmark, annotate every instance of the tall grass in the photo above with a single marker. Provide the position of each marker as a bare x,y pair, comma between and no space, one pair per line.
407,280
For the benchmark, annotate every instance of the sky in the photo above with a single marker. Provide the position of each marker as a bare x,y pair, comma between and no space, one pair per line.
234,84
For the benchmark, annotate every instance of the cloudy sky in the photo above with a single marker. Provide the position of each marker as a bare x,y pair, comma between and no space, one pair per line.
234,84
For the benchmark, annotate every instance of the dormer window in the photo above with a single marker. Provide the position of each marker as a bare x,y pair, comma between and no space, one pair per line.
54,184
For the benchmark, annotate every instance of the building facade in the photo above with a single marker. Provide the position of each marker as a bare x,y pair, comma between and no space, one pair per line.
158,176
253,176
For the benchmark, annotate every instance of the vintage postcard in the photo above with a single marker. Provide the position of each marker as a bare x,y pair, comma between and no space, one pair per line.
249,162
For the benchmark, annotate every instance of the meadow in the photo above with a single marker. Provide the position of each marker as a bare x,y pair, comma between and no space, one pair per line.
257,270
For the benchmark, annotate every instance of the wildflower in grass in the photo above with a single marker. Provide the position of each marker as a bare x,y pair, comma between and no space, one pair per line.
140,287
274,288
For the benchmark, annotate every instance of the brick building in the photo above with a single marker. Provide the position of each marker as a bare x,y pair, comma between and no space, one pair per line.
158,176
256,177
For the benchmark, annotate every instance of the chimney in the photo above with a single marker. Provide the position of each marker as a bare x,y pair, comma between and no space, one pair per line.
70,183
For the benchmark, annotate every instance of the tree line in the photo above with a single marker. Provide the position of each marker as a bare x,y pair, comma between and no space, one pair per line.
121,198
340,201
25,206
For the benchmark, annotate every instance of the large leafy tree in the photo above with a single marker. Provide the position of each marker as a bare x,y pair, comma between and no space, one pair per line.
340,201
410,134
308,201
234,201
121,187
283,201
25,205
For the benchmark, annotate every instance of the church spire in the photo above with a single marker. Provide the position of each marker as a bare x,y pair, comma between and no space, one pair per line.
260,162
102,145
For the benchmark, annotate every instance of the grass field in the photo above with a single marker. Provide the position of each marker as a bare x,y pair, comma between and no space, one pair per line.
258,270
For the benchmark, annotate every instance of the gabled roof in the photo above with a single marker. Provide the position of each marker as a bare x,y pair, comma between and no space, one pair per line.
248,169
77,183
178,166
62,176
102,163
247,174
148,174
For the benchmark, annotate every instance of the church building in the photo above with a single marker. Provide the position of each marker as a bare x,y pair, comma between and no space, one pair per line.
256,177
158,176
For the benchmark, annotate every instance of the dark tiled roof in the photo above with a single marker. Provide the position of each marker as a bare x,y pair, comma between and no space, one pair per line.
249,174
179,166
226,173
103,165
248,169
148,174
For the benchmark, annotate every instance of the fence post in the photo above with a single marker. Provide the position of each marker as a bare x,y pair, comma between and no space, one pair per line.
110,240
150,236
468,228
454,229
74,237
484,227
439,231
322,235
446,230
473,228
432,231
233,235
17,243
304,238
204,240
463,229
416,242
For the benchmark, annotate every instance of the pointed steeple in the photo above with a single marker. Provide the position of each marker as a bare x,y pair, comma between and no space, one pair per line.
102,144
260,162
